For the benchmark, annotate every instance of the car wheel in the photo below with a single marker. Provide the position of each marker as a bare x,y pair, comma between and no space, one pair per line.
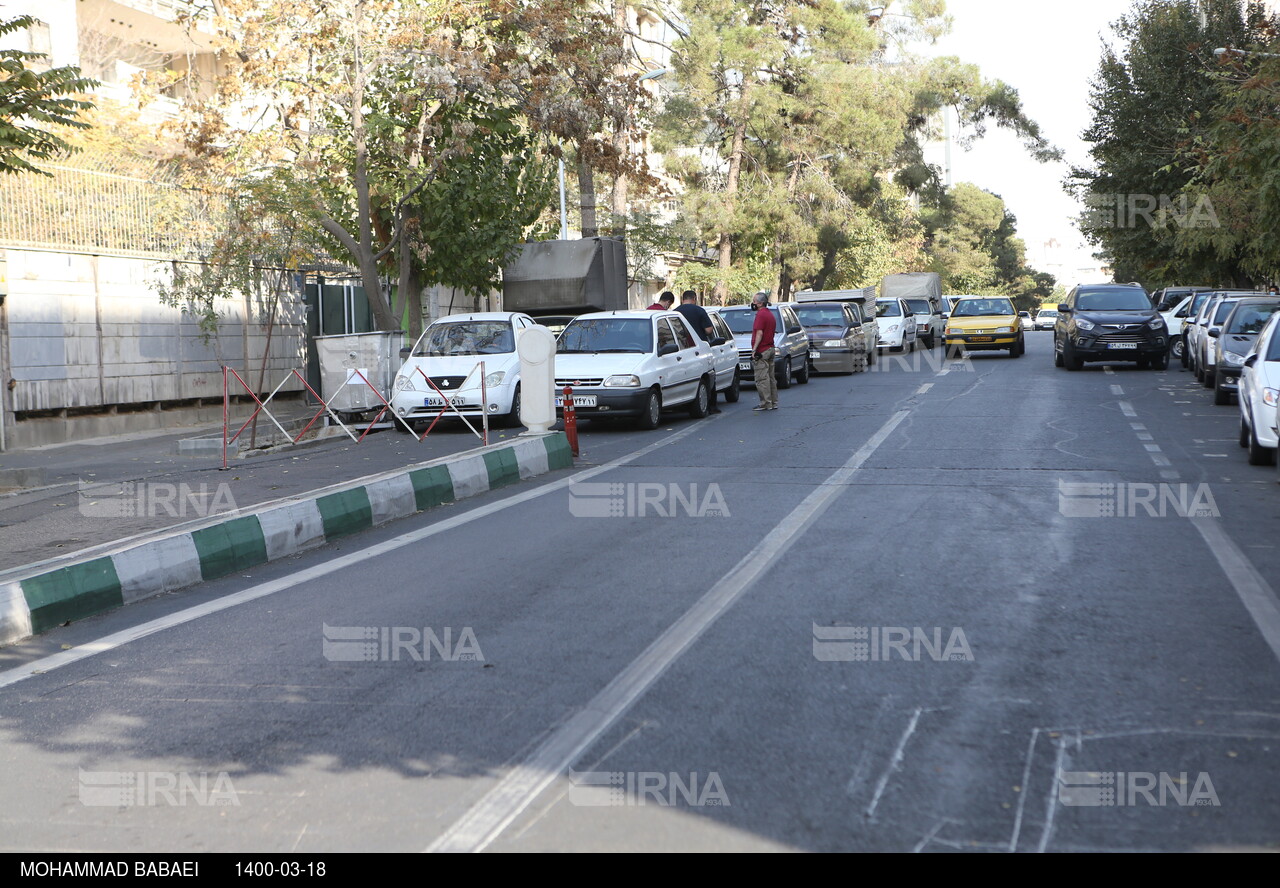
734,392
1221,397
784,379
1070,359
1161,362
1244,433
1176,350
1207,380
803,376
652,415
1057,355
701,404
1259,455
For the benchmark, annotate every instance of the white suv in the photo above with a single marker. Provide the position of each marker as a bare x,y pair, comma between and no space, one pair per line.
634,364
448,353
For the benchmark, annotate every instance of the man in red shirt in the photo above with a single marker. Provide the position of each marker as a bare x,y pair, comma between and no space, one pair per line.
763,352
664,303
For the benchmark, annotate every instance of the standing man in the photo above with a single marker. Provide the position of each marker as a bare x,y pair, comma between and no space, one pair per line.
700,321
664,303
762,352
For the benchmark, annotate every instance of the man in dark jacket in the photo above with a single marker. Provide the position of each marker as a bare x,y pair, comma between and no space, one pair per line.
700,321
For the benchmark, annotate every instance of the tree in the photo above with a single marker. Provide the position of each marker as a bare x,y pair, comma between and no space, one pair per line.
1153,99
33,104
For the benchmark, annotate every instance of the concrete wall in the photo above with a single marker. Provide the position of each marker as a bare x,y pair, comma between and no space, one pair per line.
90,332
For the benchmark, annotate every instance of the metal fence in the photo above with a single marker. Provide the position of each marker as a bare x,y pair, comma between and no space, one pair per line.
90,203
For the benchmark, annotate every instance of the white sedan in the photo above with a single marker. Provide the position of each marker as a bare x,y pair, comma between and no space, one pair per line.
1260,397
634,364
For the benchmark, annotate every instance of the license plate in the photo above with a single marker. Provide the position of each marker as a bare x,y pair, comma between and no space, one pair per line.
982,339
813,355
745,365
1122,345
579,401
439,402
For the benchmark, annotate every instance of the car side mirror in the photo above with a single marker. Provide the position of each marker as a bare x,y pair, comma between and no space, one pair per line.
1064,308
946,315
1251,360
718,341
669,349
1215,333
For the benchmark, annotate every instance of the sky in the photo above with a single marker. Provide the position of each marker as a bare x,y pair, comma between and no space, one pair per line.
1049,52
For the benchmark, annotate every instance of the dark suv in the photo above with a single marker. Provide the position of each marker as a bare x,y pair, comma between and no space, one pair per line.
1110,322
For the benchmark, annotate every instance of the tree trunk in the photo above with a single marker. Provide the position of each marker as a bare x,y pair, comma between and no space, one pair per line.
731,191
621,141
587,188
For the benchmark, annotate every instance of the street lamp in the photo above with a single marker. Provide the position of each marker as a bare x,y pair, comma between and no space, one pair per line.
1223,50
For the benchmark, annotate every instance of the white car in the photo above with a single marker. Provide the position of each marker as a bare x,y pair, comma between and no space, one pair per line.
634,364
445,361
897,325
1260,396
1045,319
930,324
1173,320
1206,355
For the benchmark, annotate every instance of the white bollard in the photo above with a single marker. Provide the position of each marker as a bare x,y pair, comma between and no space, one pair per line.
537,349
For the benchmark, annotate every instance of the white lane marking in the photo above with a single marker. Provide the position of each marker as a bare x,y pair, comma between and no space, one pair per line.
1137,427
1127,409
1216,456
116,639
1108,371
924,388
1161,461
1152,448
515,792
1117,390
1051,806
1256,593
894,761
1145,436
1022,797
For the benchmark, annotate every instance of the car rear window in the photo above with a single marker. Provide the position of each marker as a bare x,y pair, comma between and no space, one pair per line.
920,306
826,316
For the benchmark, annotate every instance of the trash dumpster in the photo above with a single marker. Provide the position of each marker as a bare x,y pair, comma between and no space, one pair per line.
375,355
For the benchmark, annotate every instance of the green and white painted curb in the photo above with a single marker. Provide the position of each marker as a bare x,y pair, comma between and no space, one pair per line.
37,598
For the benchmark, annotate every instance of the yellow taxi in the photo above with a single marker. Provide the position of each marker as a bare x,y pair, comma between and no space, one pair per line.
985,323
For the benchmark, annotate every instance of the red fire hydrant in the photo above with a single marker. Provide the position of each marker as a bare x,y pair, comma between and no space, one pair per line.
570,420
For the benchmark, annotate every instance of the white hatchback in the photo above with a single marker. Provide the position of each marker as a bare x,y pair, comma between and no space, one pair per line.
634,364
1260,396
445,363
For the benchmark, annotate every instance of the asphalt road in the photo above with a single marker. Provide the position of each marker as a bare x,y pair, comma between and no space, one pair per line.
874,619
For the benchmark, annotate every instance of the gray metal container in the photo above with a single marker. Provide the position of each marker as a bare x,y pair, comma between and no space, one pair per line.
567,277
375,355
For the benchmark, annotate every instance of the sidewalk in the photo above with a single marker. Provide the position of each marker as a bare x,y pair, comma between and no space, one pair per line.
76,496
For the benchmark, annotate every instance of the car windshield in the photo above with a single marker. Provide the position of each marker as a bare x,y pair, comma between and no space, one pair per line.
1223,312
821,317
463,338
1047,314
889,309
980,308
920,306
596,335
743,320
1117,299
1249,320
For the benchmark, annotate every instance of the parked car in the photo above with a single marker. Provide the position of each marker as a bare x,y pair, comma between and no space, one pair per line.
1025,320
448,353
634,364
1233,343
930,324
1197,326
1173,320
1167,299
839,341
1110,322
790,339
1198,301
1260,396
554,323
1206,355
897,325
724,349
985,324
1045,318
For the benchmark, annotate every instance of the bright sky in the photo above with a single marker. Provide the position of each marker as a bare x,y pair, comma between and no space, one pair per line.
1049,52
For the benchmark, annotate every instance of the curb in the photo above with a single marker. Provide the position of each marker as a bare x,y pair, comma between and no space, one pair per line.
40,597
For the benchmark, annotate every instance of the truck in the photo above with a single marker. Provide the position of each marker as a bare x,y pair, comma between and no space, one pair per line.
555,281
922,291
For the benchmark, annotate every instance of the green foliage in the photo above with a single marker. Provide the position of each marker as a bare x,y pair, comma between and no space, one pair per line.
35,104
